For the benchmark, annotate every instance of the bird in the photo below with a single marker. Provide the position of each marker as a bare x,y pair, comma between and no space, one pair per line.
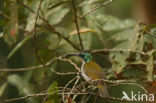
90,70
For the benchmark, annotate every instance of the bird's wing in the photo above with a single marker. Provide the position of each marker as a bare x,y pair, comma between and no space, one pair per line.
93,70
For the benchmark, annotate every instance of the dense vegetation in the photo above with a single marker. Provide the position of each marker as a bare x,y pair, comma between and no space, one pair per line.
37,37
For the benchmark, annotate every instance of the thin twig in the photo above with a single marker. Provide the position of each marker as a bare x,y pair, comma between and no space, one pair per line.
33,95
48,64
118,50
66,55
72,63
35,38
63,74
77,25
63,93
6,16
60,93
20,69
107,81
74,86
50,27
96,7
129,84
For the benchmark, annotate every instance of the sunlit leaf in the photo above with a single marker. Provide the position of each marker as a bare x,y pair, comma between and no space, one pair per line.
56,15
2,89
110,23
87,2
31,22
1,35
82,30
15,80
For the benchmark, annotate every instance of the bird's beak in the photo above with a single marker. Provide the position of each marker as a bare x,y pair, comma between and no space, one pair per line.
74,54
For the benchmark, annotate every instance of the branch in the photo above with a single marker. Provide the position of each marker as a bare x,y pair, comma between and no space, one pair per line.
35,38
96,7
6,16
74,86
60,93
48,64
50,27
63,92
77,25
118,50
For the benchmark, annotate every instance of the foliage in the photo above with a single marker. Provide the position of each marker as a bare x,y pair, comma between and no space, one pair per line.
124,49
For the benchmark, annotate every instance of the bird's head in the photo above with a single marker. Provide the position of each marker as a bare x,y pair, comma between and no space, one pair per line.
86,56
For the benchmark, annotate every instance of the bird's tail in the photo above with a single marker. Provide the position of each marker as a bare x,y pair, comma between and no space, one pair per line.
103,90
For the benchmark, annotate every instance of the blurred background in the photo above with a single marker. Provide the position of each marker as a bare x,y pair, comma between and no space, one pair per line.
122,24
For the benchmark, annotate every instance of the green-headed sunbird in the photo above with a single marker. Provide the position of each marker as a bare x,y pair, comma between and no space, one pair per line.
92,71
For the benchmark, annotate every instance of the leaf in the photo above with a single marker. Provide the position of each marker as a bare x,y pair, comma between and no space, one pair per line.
131,43
150,66
30,22
56,3
152,26
137,62
110,23
22,42
11,28
1,35
56,15
18,46
31,16
87,2
23,88
53,98
53,44
2,88
15,80
82,30
119,66
150,39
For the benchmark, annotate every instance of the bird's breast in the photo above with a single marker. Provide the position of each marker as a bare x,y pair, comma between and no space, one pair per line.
92,70
84,74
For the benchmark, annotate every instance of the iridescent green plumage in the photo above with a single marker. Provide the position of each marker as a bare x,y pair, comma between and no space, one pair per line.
86,56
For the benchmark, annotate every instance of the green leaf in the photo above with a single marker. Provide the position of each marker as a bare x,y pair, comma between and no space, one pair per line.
1,35
150,66
152,26
82,30
110,23
23,87
30,22
2,88
56,15
31,16
118,67
22,42
131,42
57,3
18,46
149,69
53,98
150,39
15,80
87,2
